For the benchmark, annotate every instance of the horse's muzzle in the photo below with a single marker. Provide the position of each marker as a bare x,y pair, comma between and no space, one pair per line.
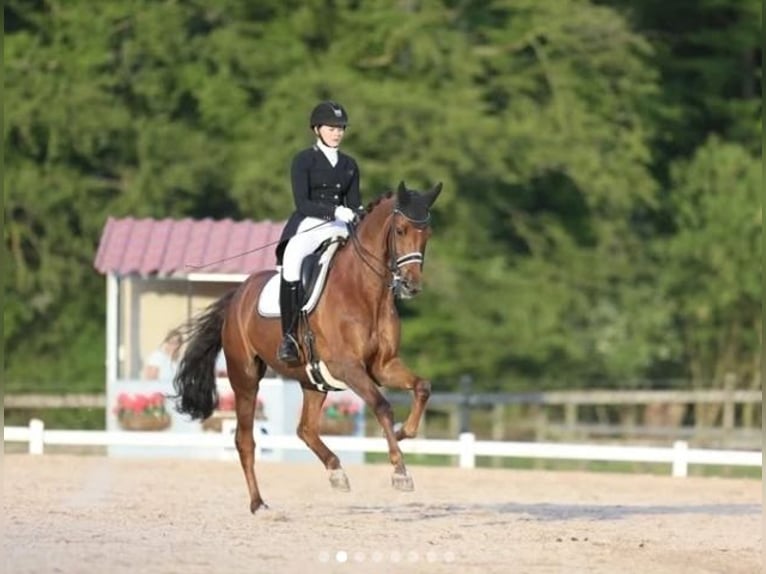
407,289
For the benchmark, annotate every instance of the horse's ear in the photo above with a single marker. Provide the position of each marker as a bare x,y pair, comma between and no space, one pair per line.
402,197
431,195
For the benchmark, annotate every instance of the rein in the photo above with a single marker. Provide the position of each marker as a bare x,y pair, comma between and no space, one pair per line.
242,254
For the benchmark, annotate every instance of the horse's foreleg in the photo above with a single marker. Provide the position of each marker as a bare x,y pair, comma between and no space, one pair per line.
245,394
308,432
360,382
394,374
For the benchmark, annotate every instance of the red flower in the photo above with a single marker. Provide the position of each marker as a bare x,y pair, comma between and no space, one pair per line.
137,404
341,408
226,402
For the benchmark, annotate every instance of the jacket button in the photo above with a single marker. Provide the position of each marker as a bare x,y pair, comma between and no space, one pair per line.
337,185
324,185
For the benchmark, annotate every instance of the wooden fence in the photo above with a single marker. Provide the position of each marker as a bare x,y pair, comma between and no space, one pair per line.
713,418
728,418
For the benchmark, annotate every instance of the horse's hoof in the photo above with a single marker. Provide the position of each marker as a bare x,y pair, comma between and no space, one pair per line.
402,482
255,505
339,480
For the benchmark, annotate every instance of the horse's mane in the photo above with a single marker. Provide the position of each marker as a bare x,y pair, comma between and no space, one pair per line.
375,202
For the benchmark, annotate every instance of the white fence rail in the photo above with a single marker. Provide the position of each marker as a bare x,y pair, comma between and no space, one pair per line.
466,448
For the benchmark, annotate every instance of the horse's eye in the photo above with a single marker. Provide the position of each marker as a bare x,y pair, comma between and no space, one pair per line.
400,231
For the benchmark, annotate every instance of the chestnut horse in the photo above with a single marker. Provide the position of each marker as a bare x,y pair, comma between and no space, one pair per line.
356,332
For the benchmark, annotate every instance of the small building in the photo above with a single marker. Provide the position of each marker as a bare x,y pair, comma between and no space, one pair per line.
159,273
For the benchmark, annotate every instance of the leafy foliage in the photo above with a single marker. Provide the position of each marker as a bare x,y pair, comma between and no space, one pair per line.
713,280
584,199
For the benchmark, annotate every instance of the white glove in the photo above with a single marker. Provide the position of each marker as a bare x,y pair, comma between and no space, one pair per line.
345,214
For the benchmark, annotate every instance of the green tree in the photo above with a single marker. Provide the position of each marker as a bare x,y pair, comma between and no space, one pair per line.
542,119
101,125
709,55
712,278
543,253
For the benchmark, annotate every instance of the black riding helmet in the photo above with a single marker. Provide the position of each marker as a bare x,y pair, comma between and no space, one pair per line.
329,114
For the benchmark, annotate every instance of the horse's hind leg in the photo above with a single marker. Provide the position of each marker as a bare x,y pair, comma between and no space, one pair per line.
308,431
245,394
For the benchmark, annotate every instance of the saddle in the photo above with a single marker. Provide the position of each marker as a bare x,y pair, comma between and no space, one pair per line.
314,270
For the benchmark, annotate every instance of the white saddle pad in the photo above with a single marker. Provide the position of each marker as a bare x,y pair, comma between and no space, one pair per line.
268,302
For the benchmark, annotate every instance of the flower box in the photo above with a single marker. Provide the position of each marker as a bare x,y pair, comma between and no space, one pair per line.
142,412
339,416
145,422
344,426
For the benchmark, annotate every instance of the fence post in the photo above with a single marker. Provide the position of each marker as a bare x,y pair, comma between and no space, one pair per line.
229,452
680,458
729,385
498,429
467,457
36,430
570,420
465,397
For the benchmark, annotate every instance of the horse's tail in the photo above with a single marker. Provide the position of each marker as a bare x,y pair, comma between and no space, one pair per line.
194,383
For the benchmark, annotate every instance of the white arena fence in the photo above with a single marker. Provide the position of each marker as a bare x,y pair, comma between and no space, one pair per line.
466,448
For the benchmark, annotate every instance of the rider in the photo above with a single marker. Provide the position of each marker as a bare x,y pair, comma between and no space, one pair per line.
325,185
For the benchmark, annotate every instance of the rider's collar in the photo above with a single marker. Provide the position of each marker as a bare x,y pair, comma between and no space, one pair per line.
331,153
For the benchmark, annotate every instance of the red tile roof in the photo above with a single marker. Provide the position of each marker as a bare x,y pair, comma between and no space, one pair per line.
181,247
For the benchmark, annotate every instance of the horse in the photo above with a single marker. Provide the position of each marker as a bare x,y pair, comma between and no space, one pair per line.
354,327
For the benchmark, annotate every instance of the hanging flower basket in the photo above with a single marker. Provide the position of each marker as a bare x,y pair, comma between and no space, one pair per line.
337,426
145,422
142,412
339,417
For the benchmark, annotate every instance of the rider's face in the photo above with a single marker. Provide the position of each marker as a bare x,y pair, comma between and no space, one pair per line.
331,135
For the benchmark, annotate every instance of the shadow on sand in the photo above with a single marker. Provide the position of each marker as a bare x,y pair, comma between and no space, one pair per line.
550,511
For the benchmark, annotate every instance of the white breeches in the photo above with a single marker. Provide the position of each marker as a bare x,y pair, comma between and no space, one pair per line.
304,242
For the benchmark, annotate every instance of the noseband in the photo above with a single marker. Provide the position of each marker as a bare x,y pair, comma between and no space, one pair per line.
395,263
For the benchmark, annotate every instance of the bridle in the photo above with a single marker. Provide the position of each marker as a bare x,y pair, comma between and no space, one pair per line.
395,262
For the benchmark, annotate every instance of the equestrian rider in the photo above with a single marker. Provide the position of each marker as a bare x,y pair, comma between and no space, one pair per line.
325,185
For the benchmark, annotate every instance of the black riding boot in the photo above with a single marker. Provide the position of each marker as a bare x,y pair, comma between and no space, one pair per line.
289,303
